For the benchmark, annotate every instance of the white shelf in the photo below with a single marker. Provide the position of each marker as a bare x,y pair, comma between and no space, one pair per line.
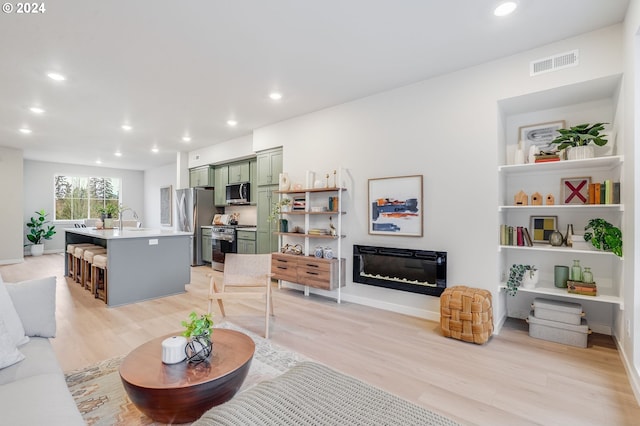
609,162
618,207
550,248
555,291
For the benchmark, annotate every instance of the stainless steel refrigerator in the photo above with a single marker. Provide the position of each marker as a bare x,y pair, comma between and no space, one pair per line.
195,209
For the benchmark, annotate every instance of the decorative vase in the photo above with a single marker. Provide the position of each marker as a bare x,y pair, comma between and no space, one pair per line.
318,252
530,279
576,271
587,275
327,253
284,225
568,238
560,276
556,239
37,249
198,348
580,152
283,182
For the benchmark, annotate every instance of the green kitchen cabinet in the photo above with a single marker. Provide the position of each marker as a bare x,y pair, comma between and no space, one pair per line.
239,172
266,240
222,180
201,177
269,166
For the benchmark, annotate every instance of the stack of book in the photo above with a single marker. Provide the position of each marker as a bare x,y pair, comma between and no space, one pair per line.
316,231
299,204
546,157
578,287
606,192
515,236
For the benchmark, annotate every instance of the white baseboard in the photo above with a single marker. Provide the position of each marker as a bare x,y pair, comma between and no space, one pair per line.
406,310
11,261
632,372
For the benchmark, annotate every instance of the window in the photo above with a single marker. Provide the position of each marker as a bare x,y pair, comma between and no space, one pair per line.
80,198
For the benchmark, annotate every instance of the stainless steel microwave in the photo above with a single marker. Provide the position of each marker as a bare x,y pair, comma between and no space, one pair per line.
238,193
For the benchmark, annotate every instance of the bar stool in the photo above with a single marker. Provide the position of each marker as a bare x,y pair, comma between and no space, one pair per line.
87,260
71,249
99,269
78,262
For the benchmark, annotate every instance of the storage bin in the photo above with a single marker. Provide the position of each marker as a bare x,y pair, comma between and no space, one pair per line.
559,332
554,310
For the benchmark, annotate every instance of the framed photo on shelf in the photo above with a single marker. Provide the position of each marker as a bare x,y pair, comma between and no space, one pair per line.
542,227
396,206
539,135
575,190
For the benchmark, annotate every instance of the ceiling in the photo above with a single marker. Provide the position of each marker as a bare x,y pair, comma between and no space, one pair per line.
174,68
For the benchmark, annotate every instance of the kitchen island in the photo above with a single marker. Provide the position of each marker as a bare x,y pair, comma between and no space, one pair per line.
142,263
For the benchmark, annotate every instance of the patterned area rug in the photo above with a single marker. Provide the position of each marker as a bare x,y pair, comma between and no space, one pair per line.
101,399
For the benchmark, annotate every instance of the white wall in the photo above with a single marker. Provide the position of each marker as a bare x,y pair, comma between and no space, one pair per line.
12,206
39,184
154,179
446,129
233,149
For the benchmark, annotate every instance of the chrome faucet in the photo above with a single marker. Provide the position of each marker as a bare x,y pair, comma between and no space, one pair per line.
135,216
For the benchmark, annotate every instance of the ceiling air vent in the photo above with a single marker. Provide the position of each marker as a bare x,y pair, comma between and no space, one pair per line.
554,63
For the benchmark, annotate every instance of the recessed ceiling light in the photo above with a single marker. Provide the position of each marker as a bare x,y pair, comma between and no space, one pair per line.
36,110
275,96
126,127
118,154
232,123
98,162
186,139
505,8
56,76
25,130
155,150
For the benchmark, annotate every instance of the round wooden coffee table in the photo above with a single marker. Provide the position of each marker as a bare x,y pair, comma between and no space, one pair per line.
181,393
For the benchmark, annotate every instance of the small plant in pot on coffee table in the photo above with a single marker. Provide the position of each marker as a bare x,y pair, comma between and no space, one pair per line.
198,329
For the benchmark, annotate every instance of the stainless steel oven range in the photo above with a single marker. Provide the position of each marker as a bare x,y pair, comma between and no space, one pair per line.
223,240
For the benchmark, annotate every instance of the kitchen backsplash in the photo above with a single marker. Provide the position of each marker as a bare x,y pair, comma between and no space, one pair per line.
248,214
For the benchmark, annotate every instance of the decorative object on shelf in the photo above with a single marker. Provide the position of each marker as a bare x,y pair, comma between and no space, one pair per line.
604,236
560,276
334,204
536,199
530,279
521,199
291,249
576,271
546,157
297,187
327,253
198,333
335,179
578,138
587,275
519,157
550,200
542,227
395,206
579,287
556,239
332,228
173,349
283,182
516,275
310,179
575,190
279,207
318,184
533,151
39,230
568,237
540,136
284,225
318,252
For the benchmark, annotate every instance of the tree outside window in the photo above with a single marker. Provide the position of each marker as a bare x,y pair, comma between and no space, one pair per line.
79,198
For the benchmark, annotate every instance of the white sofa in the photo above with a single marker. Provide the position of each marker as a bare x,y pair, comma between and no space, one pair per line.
33,390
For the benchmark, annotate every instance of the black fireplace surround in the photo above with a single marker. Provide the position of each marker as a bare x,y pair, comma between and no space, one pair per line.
416,271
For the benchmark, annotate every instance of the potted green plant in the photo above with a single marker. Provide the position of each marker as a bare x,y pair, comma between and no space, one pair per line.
112,210
519,273
39,230
604,236
578,138
198,331
279,207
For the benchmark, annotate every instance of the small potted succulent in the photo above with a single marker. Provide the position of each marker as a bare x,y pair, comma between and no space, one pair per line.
521,275
578,138
198,331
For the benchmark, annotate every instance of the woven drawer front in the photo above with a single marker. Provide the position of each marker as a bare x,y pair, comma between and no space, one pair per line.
466,314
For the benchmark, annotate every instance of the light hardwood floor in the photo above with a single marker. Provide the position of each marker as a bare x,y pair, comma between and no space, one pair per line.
511,380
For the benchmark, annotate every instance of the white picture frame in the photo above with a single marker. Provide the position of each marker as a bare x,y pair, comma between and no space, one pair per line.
539,135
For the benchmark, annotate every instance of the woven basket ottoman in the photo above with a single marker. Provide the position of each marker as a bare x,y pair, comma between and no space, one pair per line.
466,314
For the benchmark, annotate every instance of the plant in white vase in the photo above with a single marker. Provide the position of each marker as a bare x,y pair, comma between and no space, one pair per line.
578,138
525,276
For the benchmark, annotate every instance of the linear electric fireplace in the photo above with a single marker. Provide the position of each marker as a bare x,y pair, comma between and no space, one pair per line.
417,271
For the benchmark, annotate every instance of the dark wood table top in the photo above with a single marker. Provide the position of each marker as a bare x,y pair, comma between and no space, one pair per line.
143,367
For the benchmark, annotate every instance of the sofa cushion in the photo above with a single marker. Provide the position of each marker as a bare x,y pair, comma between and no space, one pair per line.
39,359
38,400
10,317
9,353
35,303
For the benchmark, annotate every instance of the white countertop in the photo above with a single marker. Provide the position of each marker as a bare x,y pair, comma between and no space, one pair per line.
110,234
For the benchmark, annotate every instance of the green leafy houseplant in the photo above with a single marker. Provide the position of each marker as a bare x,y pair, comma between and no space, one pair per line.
39,229
516,273
580,135
604,236
198,325
278,208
